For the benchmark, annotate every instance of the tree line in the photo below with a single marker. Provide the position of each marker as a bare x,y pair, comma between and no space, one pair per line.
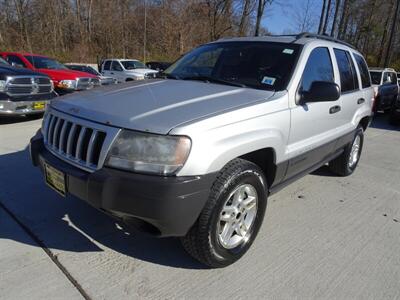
88,30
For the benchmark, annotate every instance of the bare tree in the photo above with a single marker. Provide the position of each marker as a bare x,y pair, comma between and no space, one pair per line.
335,17
322,17
260,13
328,12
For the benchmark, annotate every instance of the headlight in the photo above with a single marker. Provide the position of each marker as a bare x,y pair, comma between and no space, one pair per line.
149,153
2,85
67,84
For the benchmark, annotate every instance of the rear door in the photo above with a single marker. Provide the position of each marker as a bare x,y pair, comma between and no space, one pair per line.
314,125
352,95
365,80
117,71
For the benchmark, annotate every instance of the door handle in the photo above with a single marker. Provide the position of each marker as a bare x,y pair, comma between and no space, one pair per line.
360,101
335,109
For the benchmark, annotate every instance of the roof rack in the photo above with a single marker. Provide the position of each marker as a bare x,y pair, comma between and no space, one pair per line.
322,37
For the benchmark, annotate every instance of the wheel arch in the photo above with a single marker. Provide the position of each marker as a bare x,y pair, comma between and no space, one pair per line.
264,158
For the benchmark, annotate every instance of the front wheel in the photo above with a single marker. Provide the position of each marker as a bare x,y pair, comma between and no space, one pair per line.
232,216
347,162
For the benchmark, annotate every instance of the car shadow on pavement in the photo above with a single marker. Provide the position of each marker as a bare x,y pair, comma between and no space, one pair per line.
4,120
381,121
69,224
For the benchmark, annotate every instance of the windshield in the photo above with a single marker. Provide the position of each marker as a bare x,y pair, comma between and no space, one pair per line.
133,64
40,62
376,77
260,65
2,61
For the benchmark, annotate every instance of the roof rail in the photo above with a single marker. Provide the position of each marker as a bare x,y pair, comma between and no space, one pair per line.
322,37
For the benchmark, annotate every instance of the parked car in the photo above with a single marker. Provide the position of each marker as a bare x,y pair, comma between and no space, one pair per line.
88,69
385,86
126,70
64,79
158,65
23,92
196,154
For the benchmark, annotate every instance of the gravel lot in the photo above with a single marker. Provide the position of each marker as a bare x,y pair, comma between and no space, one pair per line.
323,237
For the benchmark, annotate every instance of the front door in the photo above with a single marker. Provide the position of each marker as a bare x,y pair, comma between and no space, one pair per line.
313,125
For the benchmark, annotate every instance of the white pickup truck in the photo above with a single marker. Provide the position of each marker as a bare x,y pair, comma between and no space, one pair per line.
126,70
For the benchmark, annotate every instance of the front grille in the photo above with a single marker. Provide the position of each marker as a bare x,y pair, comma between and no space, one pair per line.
73,141
28,85
83,83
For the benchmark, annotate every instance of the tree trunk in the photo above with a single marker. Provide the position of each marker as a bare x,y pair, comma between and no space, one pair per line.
392,30
337,6
342,20
328,12
244,18
322,17
260,12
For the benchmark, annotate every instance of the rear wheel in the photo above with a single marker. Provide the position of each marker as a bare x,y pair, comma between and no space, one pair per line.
347,162
232,216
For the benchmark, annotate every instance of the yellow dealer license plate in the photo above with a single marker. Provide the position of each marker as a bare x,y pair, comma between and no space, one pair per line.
55,179
38,105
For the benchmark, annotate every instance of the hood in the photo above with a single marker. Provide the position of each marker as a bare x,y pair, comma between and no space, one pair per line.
57,75
141,71
6,70
157,105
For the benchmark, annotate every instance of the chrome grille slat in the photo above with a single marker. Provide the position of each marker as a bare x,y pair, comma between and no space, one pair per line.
62,136
79,142
55,133
78,151
50,132
89,154
69,140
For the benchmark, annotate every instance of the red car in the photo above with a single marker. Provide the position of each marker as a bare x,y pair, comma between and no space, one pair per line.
64,79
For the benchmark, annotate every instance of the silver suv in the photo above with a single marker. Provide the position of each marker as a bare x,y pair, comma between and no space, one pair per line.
196,153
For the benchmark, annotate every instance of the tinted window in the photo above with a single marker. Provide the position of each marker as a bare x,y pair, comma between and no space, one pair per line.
260,65
107,65
86,69
362,67
376,77
16,60
393,78
348,76
133,64
41,62
116,66
318,68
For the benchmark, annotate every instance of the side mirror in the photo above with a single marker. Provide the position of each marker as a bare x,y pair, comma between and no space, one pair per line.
321,91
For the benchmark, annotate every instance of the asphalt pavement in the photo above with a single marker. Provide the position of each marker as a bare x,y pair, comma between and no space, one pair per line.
324,237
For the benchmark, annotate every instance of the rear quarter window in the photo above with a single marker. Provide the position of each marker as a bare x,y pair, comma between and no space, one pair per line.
363,68
348,75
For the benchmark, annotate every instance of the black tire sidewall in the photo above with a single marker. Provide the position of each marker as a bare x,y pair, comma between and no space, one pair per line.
257,180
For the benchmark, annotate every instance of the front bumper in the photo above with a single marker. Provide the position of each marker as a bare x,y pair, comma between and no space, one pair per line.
12,108
162,206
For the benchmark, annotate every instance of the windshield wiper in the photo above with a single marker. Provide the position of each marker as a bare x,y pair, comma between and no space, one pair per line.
214,80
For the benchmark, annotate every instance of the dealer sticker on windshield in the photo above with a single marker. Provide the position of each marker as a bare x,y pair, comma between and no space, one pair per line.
288,51
268,80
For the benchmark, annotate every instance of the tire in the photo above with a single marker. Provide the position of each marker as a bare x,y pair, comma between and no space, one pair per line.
393,120
205,240
346,163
